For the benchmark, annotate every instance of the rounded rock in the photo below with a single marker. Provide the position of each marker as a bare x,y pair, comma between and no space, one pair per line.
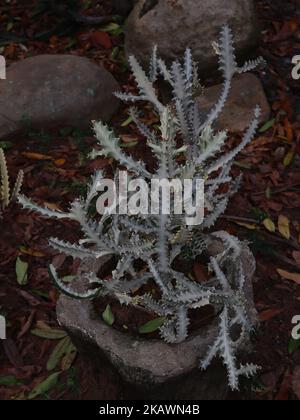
56,90
174,25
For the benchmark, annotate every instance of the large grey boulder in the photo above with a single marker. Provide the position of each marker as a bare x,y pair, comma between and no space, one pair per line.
174,25
55,90
246,93
152,369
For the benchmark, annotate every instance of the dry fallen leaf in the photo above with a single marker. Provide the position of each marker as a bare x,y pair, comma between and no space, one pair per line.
31,252
200,272
102,39
52,206
36,156
289,131
296,256
127,138
247,225
60,162
289,276
296,382
269,225
269,314
284,226
284,391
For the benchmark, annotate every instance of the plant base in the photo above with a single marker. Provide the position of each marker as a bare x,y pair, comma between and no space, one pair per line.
150,369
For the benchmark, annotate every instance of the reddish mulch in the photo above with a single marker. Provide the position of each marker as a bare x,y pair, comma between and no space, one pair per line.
270,188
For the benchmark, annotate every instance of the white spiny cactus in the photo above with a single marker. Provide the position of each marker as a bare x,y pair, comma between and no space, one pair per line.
157,240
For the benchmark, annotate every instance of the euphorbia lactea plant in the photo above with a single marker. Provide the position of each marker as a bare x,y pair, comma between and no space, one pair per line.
156,240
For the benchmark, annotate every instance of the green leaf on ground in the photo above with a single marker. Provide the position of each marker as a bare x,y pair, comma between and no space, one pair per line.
21,271
127,122
6,145
267,126
269,225
108,316
69,357
128,145
288,159
44,386
68,279
294,345
113,28
152,326
60,350
44,331
9,381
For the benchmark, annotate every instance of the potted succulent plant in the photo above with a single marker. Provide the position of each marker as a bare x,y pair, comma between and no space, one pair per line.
134,261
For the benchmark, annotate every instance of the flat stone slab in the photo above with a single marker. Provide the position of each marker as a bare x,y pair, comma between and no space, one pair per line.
246,93
55,90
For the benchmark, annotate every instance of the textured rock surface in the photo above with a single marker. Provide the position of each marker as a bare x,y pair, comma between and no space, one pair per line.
51,90
174,25
141,362
151,368
247,92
